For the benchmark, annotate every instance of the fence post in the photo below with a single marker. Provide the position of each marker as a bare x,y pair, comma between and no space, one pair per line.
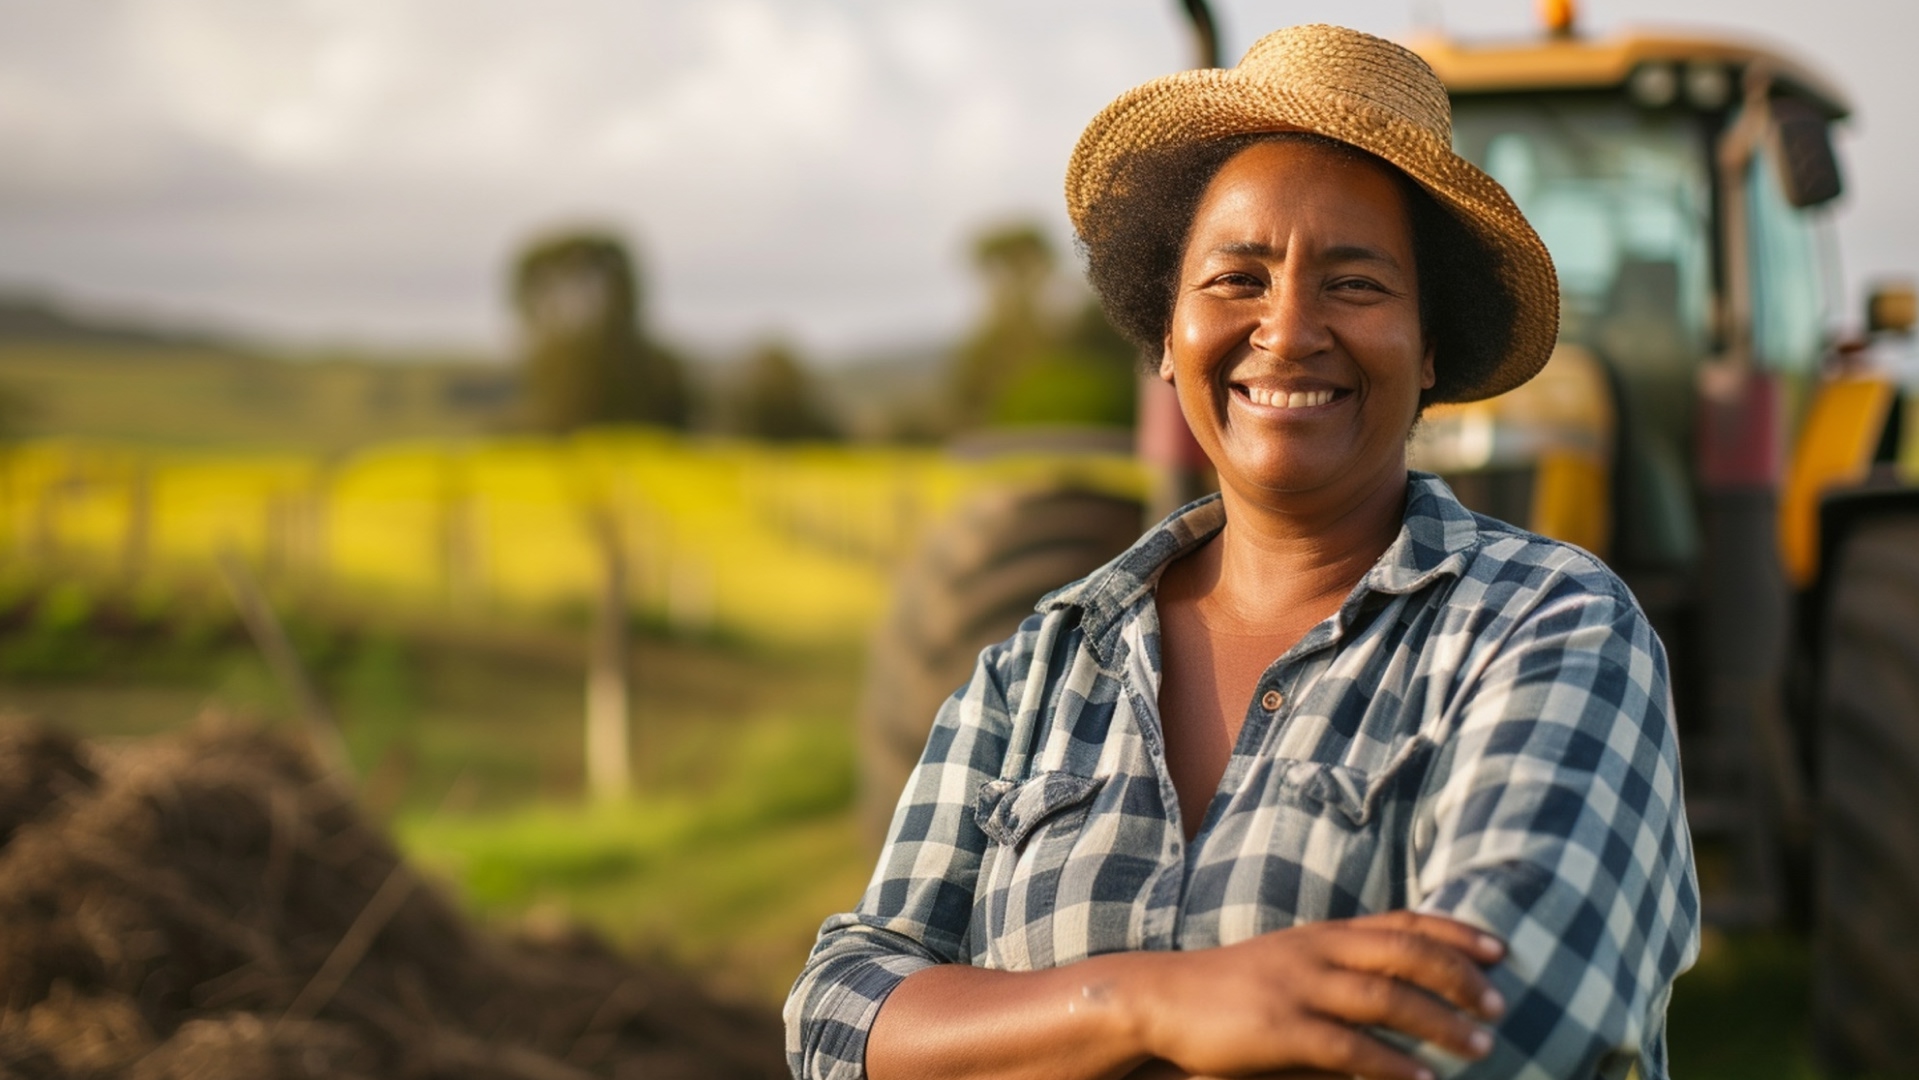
315,524
609,751
138,540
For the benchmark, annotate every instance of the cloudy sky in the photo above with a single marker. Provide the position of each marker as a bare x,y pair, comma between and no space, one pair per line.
363,170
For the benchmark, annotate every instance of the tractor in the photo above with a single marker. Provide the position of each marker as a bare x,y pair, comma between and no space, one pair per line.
1755,482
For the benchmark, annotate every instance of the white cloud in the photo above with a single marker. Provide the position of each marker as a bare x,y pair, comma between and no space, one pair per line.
366,167
758,82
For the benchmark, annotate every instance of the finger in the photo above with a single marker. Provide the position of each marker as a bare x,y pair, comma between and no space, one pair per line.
1289,1074
1354,998
1283,1074
1482,946
1347,1052
1286,1074
1440,969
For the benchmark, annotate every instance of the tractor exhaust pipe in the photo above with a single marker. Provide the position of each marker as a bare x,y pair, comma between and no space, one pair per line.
1205,33
1176,467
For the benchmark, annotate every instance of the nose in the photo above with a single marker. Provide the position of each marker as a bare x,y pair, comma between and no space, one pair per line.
1292,323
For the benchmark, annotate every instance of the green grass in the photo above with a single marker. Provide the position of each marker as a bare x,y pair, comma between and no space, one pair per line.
1744,1011
731,880
739,838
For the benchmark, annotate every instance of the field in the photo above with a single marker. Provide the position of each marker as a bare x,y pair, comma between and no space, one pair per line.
739,836
441,593
790,544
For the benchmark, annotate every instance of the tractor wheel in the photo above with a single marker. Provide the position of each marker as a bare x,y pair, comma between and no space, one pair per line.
1866,980
970,583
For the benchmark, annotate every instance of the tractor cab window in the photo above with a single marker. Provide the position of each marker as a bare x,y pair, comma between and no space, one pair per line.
1789,275
1622,198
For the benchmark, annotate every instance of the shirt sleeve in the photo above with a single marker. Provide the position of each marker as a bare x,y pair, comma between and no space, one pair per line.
1552,818
916,910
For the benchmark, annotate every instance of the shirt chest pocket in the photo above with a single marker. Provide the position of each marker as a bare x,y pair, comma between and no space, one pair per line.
1332,841
1034,827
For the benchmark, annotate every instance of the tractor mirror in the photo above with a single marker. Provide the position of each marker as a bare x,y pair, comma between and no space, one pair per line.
1893,307
1808,169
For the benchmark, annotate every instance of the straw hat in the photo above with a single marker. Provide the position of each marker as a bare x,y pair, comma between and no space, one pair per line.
1357,89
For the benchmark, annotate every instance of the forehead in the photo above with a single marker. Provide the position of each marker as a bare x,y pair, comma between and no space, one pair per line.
1288,184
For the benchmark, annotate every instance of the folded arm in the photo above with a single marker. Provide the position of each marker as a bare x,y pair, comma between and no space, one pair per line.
1554,821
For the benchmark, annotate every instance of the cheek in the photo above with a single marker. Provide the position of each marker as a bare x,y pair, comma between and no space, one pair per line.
1397,350
1188,332
1203,330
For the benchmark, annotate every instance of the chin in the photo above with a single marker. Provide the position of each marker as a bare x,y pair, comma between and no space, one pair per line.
1292,481
1302,475
1272,470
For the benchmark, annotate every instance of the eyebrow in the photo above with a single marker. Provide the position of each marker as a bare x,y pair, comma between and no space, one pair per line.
1341,253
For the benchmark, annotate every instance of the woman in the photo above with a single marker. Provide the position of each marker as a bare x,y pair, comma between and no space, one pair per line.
1326,775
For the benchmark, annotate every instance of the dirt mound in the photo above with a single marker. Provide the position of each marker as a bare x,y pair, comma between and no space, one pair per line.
209,906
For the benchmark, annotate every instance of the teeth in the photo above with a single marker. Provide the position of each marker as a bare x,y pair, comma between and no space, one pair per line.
1280,399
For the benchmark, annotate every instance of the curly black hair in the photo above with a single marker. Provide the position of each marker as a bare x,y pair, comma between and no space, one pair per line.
1134,239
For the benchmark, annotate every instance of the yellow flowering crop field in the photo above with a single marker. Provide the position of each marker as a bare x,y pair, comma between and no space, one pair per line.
770,542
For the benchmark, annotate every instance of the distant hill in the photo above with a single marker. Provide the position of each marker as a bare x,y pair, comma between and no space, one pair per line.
27,318
66,372
887,393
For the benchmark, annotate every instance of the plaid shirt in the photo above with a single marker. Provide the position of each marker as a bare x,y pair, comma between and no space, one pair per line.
1482,730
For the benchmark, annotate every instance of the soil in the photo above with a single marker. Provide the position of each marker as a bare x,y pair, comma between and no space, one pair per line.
209,905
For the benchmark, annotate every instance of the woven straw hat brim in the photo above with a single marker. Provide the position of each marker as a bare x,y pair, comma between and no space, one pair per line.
1199,106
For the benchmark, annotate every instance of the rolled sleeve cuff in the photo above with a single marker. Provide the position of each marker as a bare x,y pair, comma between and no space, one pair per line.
1572,1007
836,1014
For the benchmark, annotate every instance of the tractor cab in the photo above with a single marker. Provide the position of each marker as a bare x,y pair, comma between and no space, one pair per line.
1680,184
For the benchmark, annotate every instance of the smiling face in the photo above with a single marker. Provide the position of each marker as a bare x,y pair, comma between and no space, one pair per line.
1295,343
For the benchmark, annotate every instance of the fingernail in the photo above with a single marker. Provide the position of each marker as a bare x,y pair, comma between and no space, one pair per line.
1491,1003
1480,1040
1491,944
1424,1074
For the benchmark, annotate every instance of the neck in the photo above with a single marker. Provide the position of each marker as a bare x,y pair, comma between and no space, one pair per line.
1280,555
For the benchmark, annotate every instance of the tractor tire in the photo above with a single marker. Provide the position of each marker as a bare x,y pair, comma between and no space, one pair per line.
1866,923
972,581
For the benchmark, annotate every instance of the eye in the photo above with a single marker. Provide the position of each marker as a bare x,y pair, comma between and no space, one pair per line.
1360,288
1359,284
1238,281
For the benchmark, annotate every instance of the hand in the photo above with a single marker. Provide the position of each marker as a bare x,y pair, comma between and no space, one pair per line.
1161,1070
1296,999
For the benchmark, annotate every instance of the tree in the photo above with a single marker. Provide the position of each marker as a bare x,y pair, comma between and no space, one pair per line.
1016,263
588,357
16,409
1036,356
778,398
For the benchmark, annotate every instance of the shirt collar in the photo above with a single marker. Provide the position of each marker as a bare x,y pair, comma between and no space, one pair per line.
1435,539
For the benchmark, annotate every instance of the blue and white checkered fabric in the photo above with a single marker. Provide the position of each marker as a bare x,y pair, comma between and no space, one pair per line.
1482,730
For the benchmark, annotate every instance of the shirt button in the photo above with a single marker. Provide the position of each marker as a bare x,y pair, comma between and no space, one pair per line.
1271,700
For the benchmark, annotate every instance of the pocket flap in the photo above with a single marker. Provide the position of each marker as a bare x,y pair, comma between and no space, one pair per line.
1009,810
1356,795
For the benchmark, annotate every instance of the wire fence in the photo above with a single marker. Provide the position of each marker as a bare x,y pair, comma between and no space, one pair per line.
774,542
